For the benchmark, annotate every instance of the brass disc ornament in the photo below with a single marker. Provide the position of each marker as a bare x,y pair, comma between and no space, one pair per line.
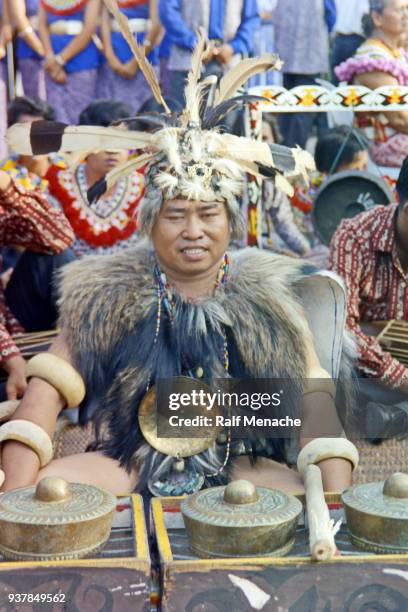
54,521
240,520
182,446
377,515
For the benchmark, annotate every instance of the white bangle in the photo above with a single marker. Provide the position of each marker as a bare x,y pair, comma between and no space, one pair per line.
59,60
60,374
27,30
31,435
321,449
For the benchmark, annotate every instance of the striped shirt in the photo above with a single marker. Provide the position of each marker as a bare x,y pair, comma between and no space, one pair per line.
363,252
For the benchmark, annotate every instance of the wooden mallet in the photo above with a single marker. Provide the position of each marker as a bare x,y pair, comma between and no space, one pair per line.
321,527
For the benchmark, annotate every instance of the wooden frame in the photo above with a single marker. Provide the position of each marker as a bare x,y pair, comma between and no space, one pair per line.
120,584
288,583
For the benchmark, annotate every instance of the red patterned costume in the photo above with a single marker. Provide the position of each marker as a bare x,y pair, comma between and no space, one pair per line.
104,226
27,220
363,252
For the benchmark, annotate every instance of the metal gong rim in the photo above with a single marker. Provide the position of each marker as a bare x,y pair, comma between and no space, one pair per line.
368,498
345,195
173,447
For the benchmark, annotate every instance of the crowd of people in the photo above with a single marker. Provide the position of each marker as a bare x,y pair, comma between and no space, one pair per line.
76,67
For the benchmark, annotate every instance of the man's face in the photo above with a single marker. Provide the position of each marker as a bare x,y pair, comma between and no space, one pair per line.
104,161
191,237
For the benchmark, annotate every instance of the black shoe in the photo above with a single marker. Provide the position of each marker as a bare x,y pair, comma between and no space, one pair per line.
383,422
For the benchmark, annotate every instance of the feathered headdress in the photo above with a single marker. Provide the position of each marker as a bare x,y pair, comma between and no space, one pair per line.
186,154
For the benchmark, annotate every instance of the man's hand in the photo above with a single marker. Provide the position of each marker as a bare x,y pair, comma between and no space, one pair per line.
223,54
16,382
5,278
5,180
129,69
208,54
55,70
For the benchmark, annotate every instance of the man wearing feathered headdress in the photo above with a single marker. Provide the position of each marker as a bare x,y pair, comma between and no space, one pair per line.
178,307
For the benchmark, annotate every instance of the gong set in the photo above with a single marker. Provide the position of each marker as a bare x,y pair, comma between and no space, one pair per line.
57,520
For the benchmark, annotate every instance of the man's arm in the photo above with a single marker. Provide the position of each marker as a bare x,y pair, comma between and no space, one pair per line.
23,25
320,420
330,12
27,219
41,405
80,42
250,22
346,260
175,26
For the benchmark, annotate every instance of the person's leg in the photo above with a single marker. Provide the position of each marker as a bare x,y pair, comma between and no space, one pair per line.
31,293
79,90
384,411
344,47
94,469
33,77
267,473
177,85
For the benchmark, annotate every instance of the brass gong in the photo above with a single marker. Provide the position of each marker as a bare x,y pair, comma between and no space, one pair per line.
240,520
179,447
377,515
55,521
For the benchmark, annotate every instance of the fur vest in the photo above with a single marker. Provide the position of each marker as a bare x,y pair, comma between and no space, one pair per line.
108,315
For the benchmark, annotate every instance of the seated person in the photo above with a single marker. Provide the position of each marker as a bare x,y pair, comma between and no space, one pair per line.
338,150
27,170
282,233
370,253
377,63
28,220
109,224
179,304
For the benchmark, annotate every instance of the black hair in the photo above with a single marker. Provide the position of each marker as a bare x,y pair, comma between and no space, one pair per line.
29,106
376,6
402,184
337,147
104,112
152,106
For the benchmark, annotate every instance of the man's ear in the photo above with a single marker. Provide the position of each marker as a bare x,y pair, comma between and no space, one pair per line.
377,19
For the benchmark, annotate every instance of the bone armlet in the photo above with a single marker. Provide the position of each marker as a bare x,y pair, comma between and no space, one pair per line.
59,374
321,449
31,435
321,527
319,381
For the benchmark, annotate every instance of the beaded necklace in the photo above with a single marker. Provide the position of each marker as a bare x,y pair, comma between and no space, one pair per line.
165,298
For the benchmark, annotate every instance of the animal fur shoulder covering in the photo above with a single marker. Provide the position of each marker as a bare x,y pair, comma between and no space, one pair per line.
104,298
